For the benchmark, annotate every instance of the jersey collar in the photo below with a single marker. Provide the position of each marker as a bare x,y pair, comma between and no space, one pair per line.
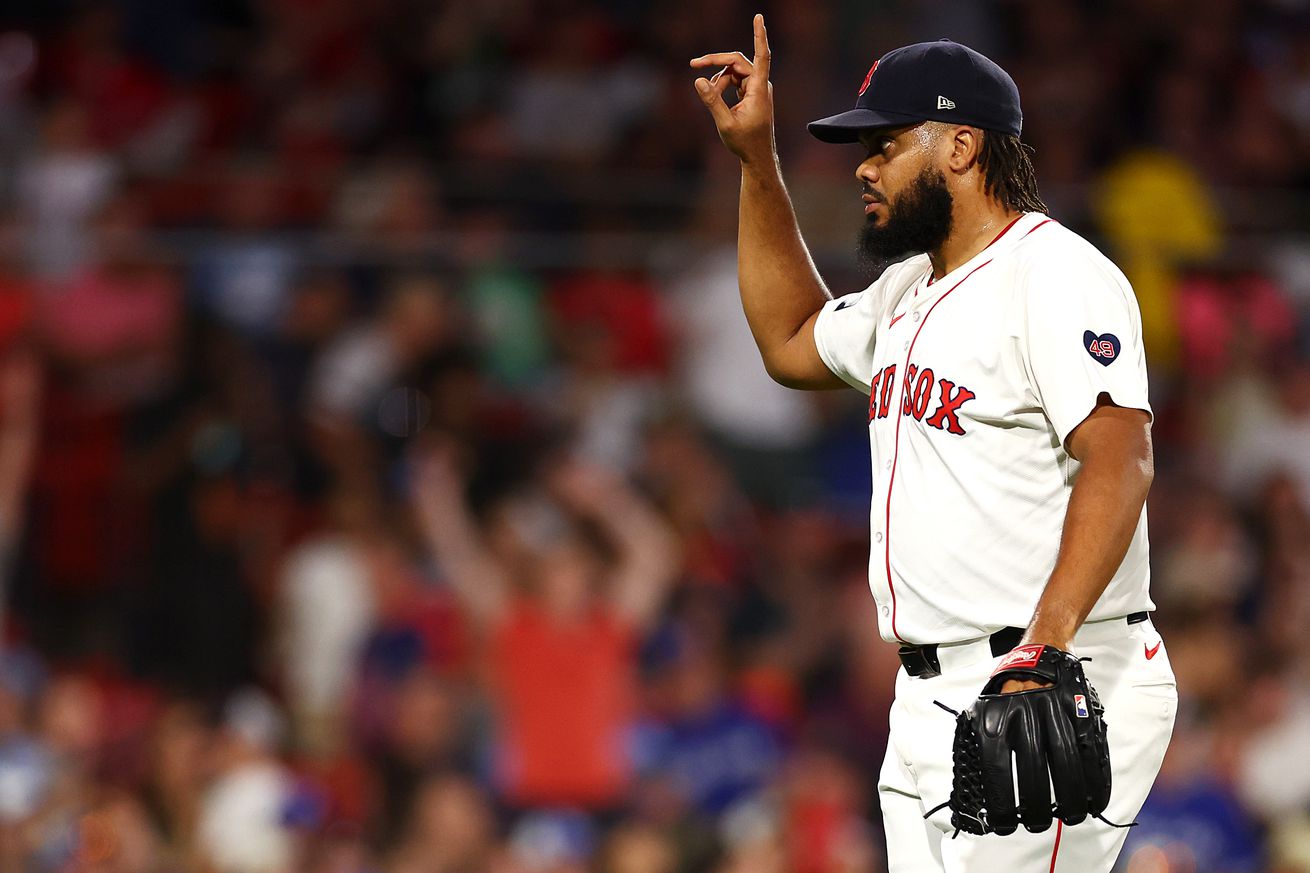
1003,241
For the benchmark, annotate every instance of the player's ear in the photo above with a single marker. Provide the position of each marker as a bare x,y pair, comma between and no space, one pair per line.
966,143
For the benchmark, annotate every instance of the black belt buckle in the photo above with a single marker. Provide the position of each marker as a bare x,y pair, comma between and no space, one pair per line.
921,662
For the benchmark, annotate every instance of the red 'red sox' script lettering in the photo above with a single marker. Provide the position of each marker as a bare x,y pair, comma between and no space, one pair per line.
950,399
880,392
917,396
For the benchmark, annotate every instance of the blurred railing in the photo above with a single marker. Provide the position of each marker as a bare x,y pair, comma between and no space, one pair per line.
558,217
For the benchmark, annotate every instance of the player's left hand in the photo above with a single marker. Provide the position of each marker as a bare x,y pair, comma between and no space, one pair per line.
746,128
1049,732
1014,686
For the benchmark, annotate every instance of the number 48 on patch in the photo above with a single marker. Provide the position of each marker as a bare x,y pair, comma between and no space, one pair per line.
1103,348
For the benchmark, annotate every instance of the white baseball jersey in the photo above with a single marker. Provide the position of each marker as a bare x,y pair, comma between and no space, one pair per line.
975,381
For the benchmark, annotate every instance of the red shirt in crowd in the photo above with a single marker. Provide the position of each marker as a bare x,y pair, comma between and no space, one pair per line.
565,695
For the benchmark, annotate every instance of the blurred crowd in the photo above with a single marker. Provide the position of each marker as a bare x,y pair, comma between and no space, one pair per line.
388,480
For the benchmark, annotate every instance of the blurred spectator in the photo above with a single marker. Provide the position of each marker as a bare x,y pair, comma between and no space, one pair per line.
825,817
116,836
706,744
451,829
180,766
353,372
764,428
426,733
505,302
713,519
71,724
613,346
752,837
326,613
244,278
27,766
1192,819
637,848
1279,444
241,827
553,842
552,632
1282,617
559,80
1276,730
60,187
1209,563
116,321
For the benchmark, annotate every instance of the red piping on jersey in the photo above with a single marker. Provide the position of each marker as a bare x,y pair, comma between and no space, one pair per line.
1004,231
896,445
995,239
1031,229
1059,825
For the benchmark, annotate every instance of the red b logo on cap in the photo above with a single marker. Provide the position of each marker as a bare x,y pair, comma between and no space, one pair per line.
864,86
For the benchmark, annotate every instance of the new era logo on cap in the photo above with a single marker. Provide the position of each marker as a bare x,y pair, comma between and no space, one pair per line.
945,102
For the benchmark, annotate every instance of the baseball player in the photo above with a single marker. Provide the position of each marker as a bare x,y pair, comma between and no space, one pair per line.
1010,434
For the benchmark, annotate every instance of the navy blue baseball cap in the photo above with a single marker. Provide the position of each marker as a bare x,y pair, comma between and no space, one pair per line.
929,81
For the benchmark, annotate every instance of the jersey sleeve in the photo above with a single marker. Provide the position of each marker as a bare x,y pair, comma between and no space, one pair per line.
844,334
1083,338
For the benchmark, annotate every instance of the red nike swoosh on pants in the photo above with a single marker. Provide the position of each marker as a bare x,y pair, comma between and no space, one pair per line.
1150,653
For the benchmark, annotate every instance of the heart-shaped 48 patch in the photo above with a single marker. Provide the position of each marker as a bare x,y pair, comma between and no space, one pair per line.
1104,349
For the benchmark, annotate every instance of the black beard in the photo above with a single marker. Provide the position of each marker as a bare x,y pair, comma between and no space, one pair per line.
918,221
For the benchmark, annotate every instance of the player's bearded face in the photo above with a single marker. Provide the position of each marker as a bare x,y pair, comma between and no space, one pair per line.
918,220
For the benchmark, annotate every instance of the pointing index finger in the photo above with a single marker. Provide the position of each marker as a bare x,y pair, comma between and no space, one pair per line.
762,56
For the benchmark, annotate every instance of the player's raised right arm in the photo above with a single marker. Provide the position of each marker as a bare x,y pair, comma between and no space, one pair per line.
781,290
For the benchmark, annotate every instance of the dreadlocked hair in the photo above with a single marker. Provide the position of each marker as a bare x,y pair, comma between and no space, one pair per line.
1008,173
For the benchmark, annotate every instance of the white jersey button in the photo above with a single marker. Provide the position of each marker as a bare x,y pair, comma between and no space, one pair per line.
916,316
885,610
878,537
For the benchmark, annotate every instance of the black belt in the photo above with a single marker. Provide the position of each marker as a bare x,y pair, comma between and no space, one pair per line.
921,661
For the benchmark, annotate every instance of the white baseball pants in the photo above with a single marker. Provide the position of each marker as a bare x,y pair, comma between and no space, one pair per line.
1129,669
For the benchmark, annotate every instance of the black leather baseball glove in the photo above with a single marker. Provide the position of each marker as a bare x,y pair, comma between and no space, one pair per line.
1050,738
